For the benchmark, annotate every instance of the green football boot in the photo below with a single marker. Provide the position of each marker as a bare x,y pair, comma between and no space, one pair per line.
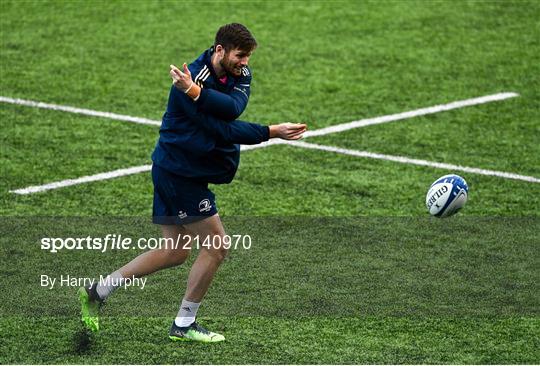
90,305
194,333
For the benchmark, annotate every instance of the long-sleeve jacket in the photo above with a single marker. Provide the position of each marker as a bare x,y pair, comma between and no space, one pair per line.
200,140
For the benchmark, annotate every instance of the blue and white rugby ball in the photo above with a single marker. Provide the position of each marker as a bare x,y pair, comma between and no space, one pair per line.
447,195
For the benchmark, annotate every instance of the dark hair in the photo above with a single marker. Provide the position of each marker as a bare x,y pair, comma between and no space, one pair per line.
235,35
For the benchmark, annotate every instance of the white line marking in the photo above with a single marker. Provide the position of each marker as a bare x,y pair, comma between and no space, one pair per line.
85,179
410,114
319,132
87,112
115,173
405,160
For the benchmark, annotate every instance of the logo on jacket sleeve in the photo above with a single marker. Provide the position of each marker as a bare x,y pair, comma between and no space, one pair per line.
202,76
204,205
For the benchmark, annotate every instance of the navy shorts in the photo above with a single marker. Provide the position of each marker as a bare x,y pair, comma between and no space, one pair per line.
179,200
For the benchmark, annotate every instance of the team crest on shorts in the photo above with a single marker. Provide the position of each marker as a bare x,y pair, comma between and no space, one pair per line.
204,205
182,214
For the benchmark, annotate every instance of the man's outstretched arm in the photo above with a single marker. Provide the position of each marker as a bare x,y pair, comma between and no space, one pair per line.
238,132
247,133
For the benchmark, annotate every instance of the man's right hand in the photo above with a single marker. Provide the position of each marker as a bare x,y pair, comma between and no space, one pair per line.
288,131
183,82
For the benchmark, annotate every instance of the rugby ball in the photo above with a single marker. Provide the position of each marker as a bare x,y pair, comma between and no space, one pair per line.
447,195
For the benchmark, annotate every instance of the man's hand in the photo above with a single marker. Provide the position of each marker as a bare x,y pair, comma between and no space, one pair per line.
288,131
182,80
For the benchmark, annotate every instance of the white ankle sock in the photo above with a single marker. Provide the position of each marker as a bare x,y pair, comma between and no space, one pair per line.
187,313
109,284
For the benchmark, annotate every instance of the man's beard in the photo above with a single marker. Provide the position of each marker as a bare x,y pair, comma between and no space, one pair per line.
229,67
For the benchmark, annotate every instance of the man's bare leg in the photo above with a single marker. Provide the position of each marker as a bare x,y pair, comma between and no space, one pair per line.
145,264
209,259
200,277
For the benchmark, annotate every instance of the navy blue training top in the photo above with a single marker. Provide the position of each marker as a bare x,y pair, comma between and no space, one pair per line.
200,140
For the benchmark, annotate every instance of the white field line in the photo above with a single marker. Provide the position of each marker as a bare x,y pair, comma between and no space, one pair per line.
405,160
113,174
85,179
410,114
319,132
87,112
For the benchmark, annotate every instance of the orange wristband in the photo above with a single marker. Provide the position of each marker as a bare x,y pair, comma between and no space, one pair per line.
194,91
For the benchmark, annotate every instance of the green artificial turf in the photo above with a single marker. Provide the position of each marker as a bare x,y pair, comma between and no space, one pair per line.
346,265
